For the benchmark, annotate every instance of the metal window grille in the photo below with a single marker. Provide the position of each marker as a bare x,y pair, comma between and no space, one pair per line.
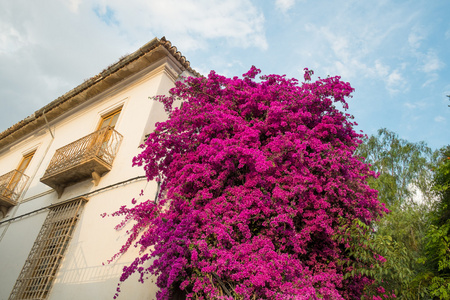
39,271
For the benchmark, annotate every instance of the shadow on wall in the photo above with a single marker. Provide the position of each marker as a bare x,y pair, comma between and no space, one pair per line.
76,270
85,273
78,278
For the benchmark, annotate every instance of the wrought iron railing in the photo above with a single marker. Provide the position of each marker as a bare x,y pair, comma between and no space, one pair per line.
11,187
102,144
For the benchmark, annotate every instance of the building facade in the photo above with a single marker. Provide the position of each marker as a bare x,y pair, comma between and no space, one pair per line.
69,163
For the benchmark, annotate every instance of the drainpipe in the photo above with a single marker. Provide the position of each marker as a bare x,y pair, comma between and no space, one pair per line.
43,156
14,210
48,127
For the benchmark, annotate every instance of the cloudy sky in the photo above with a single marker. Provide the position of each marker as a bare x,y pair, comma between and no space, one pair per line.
396,54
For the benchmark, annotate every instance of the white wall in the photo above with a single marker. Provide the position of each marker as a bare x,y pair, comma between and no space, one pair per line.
82,275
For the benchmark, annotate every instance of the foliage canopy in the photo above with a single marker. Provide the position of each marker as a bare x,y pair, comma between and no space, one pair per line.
414,237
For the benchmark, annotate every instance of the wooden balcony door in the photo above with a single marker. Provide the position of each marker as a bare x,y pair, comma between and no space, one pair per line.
18,175
107,120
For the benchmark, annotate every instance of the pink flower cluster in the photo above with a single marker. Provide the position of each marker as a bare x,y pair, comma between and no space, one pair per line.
256,178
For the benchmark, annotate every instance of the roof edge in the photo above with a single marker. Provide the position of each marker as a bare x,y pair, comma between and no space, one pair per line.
35,121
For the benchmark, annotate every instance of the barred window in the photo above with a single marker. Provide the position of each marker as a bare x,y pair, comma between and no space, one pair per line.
39,271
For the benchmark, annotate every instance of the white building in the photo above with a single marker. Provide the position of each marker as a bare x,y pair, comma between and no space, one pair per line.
70,162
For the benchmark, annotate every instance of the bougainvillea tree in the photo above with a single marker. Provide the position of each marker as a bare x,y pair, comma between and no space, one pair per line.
259,187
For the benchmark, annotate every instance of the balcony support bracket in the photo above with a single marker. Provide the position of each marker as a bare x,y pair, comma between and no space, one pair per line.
96,178
59,190
4,210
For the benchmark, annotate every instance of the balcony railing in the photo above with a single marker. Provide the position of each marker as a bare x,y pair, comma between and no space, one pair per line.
11,187
90,156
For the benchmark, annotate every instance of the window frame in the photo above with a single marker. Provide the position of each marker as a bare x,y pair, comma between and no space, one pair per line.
15,179
111,114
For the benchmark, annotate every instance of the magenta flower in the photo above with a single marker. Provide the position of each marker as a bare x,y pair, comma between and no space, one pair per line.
256,178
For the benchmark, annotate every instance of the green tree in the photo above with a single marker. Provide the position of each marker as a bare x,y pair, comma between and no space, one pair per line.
441,185
437,248
403,166
404,185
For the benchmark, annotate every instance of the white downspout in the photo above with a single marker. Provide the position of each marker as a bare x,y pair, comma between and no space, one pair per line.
19,201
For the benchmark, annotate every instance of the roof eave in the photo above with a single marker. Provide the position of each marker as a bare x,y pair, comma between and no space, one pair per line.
148,54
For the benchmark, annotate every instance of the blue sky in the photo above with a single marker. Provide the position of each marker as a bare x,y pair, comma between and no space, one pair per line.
396,54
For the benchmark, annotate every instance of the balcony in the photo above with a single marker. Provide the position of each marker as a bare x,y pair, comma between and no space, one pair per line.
88,157
11,187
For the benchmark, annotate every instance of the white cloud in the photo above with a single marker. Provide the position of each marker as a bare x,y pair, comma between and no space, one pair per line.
414,40
193,23
74,5
415,37
395,82
431,62
381,70
284,5
418,105
50,48
377,43
439,119
430,78
382,47
11,39
395,78
410,105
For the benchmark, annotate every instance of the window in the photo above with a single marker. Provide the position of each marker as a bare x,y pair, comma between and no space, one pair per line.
39,270
25,162
109,119
20,171
12,185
